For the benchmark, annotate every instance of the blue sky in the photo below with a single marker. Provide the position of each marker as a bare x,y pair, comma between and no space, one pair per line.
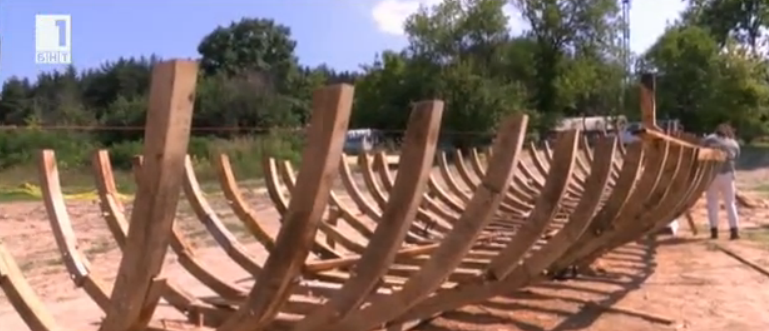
341,33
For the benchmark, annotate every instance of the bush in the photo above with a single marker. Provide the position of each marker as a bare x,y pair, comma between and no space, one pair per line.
246,153
20,147
74,150
122,153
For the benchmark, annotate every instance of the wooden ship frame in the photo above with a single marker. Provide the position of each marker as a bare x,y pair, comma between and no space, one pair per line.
426,241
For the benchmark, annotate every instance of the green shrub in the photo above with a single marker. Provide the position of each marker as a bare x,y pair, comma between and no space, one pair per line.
20,147
246,153
122,153
18,150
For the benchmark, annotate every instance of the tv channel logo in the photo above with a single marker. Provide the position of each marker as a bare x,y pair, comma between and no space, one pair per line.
53,39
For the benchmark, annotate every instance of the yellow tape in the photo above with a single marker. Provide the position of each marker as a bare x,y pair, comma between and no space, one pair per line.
31,191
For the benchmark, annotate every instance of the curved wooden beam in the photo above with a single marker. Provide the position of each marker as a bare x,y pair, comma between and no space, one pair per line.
531,268
453,247
22,297
419,148
332,106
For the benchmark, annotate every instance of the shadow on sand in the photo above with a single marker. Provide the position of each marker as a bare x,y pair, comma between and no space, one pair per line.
562,305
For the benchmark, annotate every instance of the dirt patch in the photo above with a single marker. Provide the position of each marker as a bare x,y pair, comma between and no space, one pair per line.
672,285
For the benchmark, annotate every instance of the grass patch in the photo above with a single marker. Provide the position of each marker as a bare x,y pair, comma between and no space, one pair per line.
37,263
762,189
19,176
21,184
760,236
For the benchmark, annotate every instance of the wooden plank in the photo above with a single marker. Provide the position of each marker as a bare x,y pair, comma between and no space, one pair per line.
169,117
649,118
648,103
418,152
331,112
22,297
454,247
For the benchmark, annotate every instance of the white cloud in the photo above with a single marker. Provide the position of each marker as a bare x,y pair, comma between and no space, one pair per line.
390,15
648,18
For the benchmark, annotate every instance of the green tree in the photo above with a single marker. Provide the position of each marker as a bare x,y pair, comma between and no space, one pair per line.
575,42
702,83
456,53
15,103
742,20
124,77
251,45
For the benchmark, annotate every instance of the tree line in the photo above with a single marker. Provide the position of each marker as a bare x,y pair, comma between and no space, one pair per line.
711,66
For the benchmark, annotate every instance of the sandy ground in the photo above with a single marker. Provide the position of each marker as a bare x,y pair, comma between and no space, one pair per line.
669,284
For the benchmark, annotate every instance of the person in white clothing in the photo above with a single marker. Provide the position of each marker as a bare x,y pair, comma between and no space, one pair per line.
723,184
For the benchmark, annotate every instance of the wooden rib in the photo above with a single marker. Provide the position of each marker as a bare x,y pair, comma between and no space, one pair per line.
614,216
370,178
531,268
112,211
676,195
237,251
652,132
404,255
435,221
647,99
522,195
539,159
453,247
232,193
299,303
702,179
331,112
337,209
207,216
524,199
443,225
627,223
419,148
528,196
22,297
75,261
442,194
187,258
471,181
513,199
544,212
286,168
518,202
231,295
510,204
281,203
374,187
363,205
169,118
434,216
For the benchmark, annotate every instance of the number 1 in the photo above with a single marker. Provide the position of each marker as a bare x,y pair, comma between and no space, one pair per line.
62,26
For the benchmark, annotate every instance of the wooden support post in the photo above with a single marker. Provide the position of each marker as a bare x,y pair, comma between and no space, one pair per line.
649,117
325,138
169,117
648,103
690,221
